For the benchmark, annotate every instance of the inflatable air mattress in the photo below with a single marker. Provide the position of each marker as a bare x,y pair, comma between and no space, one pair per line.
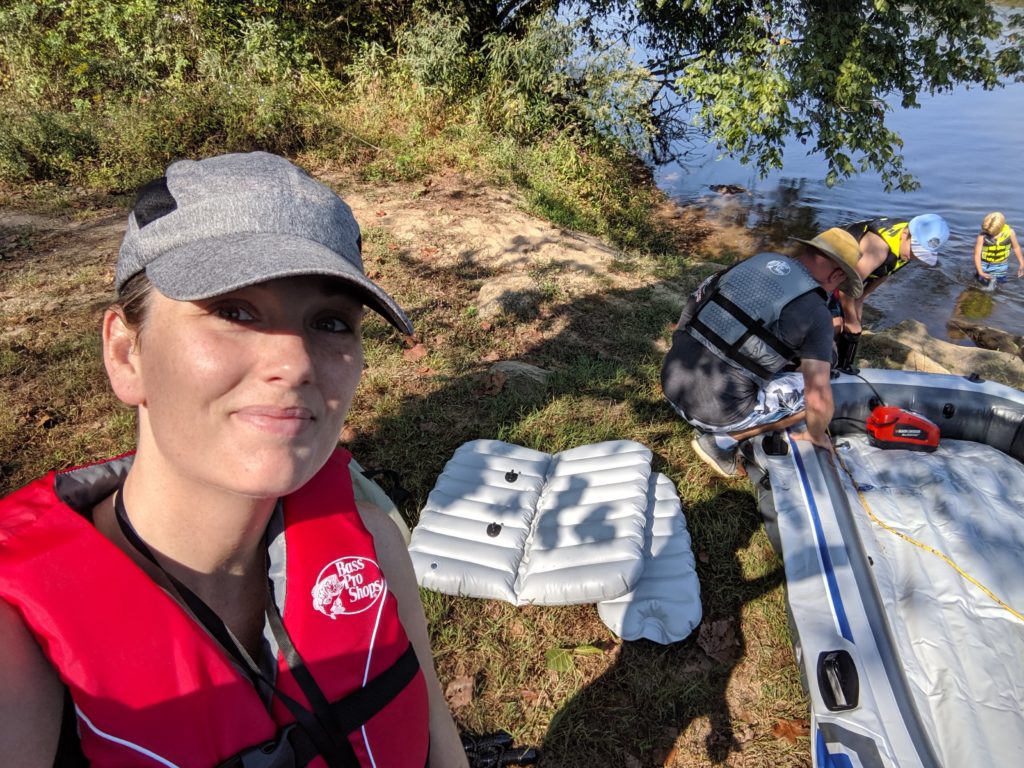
587,525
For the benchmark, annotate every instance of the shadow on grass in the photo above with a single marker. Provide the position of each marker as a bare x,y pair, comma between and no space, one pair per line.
605,385
639,707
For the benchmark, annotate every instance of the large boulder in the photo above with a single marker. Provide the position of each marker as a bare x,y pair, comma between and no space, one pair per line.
907,346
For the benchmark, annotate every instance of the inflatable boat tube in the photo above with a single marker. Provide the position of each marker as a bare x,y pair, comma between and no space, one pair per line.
903,574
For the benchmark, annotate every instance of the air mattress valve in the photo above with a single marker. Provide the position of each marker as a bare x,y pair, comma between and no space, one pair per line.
891,427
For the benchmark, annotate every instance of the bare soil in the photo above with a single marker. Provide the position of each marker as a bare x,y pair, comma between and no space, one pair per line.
451,248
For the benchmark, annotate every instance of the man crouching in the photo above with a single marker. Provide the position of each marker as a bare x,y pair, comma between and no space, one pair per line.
752,351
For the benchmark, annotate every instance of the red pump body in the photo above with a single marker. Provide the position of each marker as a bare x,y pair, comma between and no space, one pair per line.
891,427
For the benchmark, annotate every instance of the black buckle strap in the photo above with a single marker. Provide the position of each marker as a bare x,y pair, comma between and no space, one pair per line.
293,747
731,350
335,749
363,703
753,328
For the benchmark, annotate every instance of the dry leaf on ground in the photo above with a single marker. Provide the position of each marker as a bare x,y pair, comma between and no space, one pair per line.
718,639
535,699
415,353
791,730
459,692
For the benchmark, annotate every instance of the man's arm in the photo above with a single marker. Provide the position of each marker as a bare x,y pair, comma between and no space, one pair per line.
818,397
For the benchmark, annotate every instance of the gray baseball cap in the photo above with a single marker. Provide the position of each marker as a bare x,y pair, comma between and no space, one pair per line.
212,226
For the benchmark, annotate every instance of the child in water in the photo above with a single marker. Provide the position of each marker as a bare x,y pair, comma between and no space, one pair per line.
992,251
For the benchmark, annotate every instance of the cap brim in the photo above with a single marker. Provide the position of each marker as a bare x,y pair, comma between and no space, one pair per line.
853,285
931,258
218,265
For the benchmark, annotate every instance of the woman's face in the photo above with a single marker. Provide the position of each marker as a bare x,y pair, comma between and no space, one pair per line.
247,391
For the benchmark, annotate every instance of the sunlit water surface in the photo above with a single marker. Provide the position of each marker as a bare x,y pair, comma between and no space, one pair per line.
967,150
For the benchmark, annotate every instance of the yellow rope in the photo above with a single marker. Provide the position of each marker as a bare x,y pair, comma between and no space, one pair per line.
916,543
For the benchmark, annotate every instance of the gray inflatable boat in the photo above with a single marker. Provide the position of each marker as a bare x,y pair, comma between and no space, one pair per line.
904,574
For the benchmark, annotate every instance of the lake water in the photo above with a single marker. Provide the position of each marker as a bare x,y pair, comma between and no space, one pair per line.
966,148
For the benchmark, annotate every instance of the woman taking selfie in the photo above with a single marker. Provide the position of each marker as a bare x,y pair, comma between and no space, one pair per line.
217,597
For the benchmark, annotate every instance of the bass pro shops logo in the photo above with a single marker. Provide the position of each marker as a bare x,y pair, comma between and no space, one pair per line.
777,267
347,586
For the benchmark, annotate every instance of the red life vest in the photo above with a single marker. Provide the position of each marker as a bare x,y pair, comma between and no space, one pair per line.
151,687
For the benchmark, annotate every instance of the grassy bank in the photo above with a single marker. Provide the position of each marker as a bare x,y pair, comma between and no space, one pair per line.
554,677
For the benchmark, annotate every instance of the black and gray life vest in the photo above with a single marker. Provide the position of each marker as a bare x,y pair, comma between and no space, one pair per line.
737,318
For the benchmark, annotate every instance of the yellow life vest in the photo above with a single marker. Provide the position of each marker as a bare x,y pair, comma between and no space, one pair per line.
891,231
996,250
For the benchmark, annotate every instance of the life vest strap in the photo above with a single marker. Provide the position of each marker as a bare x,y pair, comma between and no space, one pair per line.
753,328
294,746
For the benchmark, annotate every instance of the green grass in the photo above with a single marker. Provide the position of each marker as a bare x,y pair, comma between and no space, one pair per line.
632,701
603,702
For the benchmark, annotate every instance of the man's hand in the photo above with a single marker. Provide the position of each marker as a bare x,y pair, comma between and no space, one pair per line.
822,442
818,396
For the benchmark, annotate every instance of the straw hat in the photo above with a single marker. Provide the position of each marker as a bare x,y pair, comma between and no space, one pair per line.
840,246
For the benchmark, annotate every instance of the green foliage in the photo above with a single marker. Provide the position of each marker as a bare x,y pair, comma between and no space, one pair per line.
108,94
756,73
434,54
98,92
42,143
520,111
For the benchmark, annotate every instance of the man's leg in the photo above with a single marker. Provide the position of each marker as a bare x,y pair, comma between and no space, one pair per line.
780,404
771,426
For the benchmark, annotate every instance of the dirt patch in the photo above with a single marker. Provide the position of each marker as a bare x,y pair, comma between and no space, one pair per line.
437,244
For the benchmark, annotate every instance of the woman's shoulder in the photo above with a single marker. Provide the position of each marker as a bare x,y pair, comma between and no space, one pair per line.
387,537
32,697
376,501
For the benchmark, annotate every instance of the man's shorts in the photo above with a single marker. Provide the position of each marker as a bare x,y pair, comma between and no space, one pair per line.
782,396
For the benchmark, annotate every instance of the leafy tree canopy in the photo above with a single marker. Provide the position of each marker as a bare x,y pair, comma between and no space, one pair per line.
654,76
749,74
